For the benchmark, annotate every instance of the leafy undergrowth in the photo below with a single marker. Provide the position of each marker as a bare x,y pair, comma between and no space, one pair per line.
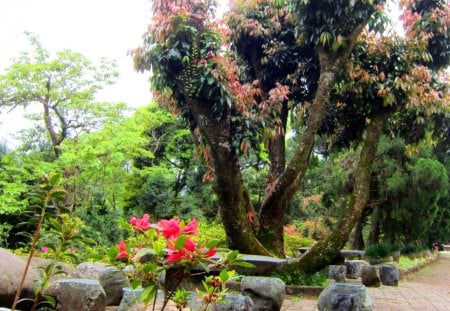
290,276
407,263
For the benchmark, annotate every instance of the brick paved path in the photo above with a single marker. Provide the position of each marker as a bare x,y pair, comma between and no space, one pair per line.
426,290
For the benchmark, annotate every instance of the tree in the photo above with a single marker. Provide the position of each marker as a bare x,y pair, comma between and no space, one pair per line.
191,74
64,87
390,76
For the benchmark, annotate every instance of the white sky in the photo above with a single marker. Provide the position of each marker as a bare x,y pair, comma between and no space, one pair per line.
94,28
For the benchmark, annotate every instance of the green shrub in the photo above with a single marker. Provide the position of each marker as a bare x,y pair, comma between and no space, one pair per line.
409,263
291,276
211,231
293,242
410,249
377,251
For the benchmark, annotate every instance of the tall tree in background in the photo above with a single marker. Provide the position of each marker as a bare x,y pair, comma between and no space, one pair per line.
63,87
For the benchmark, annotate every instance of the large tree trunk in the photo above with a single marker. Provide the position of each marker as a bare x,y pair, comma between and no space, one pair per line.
356,238
374,232
322,253
234,201
279,195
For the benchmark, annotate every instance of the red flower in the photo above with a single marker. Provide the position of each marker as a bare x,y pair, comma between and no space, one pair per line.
176,256
211,252
192,227
122,251
140,224
170,228
185,253
189,245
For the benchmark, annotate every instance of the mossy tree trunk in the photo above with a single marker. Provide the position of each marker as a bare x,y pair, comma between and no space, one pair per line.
322,253
282,190
356,238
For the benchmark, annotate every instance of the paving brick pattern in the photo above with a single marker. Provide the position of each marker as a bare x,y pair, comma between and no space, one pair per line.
425,290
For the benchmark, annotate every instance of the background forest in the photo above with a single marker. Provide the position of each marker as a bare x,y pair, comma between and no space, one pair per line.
117,163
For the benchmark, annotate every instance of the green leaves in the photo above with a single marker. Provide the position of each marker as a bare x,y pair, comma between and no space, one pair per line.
148,294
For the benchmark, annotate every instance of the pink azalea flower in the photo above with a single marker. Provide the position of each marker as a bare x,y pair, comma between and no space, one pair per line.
189,245
192,227
122,251
211,252
73,249
176,256
44,249
170,228
140,224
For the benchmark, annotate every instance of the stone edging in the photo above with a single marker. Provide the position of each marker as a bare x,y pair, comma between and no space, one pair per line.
419,267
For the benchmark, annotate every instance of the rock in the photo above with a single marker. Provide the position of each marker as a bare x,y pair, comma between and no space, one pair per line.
340,296
11,271
370,276
129,297
82,295
267,293
111,279
345,302
235,303
389,275
354,268
337,273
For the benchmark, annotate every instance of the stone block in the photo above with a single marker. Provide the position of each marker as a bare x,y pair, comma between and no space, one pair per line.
370,276
354,268
267,293
345,302
111,279
340,296
82,295
337,272
235,303
389,275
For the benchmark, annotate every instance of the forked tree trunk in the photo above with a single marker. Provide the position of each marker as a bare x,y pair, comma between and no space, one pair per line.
374,232
234,201
279,195
356,238
322,253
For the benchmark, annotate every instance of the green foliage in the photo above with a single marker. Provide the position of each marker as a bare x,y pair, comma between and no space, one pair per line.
5,228
211,232
18,172
292,276
412,248
378,251
64,87
329,23
99,222
293,242
407,263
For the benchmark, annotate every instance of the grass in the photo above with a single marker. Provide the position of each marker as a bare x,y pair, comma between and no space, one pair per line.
407,263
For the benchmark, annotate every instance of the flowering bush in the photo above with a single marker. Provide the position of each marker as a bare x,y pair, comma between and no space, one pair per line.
169,246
